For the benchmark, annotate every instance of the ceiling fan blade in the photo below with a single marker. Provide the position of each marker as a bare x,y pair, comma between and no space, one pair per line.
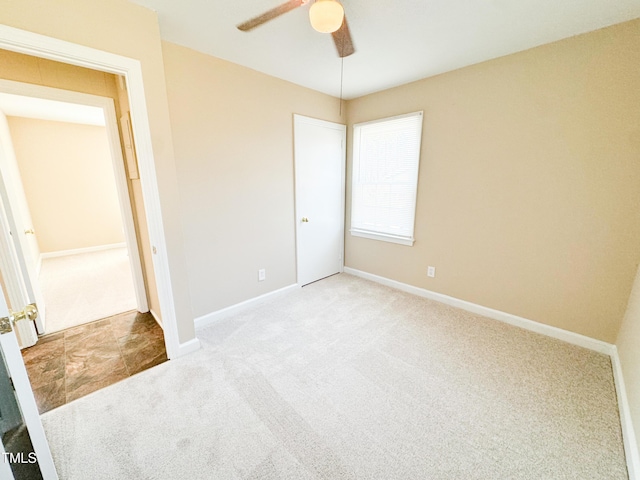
270,15
343,41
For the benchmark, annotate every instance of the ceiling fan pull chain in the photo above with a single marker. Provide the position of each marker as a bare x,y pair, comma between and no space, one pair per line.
341,81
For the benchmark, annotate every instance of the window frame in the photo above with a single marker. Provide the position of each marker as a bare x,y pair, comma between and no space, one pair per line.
378,235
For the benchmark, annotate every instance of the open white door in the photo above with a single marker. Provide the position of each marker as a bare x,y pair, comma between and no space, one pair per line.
319,148
19,222
24,447
13,279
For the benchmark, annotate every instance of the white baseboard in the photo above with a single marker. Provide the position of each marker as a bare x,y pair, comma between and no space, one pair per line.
628,433
629,438
212,317
548,330
75,251
186,348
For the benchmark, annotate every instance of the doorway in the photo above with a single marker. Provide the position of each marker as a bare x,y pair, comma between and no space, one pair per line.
73,226
70,160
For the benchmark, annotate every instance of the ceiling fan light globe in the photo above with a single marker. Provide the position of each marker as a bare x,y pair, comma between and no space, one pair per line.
326,16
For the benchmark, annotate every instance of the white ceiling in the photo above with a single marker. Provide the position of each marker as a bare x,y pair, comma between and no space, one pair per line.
396,41
31,107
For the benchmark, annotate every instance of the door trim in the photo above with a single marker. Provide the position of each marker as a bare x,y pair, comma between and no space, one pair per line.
297,120
117,162
42,46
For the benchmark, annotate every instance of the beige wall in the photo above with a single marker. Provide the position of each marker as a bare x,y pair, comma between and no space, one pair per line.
233,135
528,197
123,28
68,179
39,71
629,350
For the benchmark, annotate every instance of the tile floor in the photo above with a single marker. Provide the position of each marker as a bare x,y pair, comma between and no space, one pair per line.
72,363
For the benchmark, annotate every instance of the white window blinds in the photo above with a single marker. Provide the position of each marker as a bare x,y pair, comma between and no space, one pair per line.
386,156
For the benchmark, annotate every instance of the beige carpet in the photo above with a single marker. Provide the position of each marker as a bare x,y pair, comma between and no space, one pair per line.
85,287
347,379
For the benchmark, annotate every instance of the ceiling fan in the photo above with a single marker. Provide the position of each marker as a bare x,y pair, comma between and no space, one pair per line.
326,16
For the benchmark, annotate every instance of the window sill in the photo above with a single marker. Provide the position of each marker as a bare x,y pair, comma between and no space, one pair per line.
383,237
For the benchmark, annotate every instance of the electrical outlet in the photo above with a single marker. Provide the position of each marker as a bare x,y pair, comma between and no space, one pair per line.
431,272
262,274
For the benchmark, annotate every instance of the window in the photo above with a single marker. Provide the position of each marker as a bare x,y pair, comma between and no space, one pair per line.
386,155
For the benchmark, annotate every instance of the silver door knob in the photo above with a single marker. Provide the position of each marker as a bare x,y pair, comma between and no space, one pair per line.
305,220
